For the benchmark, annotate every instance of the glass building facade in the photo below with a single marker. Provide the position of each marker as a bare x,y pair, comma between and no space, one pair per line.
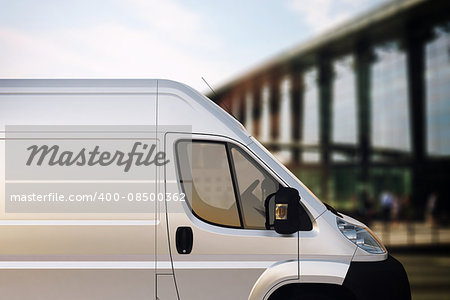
362,112
249,112
311,108
265,115
285,111
310,113
344,111
389,99
437,64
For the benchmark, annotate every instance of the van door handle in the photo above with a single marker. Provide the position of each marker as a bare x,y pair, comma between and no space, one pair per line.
184,240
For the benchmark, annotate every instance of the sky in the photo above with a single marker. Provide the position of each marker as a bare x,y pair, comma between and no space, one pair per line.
182,40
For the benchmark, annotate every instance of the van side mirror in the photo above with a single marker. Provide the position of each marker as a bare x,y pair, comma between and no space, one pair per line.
289,216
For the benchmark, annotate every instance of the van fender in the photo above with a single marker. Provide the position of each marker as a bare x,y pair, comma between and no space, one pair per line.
324,271
311,271
273,277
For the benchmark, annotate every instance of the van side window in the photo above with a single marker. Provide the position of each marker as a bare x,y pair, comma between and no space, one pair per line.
207,182
223,184
254,185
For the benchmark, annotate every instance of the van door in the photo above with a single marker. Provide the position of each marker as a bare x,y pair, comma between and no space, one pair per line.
219,243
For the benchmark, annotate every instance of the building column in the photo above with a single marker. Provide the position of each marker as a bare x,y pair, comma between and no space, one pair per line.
256,92
325,77
296,112
241,107
235,106
363,61
274,108
415,49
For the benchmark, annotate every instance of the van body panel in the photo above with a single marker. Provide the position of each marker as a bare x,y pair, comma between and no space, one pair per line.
274,277
181,105
323,271
77,102
120,255
57,253
314,244
75,284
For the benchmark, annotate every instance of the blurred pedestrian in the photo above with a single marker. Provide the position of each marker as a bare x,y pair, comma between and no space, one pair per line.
395,210
387,201
366,208
406,213
431,211
405,208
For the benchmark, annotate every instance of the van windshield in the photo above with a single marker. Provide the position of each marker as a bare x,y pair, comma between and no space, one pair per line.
254,185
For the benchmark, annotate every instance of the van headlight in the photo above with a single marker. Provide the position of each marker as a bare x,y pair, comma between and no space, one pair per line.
362,237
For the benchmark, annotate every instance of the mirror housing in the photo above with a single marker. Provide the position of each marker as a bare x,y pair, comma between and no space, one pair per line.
289,216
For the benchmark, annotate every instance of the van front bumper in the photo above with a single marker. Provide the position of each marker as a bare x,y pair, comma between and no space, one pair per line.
378,280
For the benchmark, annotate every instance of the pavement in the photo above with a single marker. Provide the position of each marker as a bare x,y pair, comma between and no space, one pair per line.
428,271
411,234
424,251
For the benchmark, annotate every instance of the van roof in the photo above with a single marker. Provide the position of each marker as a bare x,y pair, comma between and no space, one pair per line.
190,107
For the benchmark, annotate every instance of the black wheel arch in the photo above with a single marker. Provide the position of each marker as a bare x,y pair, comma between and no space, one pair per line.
298,291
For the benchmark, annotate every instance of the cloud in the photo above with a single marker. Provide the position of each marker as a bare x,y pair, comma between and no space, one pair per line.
170,42
321,15
26,55
168,16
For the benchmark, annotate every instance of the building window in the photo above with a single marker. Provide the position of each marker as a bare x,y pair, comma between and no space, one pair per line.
265,115
285,137
310,114
437,64
389,99
249,112
285,111
344,114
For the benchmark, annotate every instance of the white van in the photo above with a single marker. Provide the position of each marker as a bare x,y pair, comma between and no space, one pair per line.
145,189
